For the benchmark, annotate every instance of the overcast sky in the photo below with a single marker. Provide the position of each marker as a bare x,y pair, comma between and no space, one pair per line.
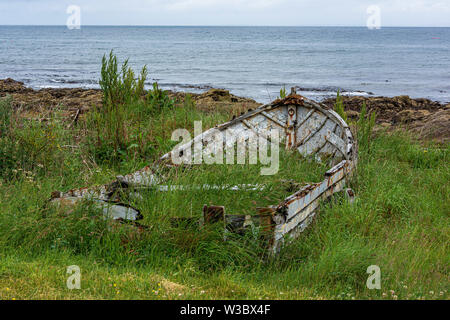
227,12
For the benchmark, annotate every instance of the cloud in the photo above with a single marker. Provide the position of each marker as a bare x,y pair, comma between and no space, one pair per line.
221,4
227,12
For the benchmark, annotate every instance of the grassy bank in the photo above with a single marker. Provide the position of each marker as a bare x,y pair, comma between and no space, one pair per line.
399,221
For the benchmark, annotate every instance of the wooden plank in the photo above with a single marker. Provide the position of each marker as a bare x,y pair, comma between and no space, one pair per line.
213,214
281,124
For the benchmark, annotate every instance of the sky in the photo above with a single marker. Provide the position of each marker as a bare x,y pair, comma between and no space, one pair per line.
420,13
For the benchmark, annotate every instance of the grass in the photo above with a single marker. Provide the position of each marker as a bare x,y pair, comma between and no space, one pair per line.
399,221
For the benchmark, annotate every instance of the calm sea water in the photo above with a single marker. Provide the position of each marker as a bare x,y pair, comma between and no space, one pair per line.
249,61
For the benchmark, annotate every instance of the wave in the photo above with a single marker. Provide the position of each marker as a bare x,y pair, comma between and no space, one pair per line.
183,85
250,89
74,81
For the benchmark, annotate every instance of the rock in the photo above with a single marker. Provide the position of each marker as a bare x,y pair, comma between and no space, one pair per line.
218,93
424,113
218,99
435,127
352,114
426,119
12,86
404,116
407,116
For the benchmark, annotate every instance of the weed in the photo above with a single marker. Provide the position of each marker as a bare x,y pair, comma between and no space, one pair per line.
282,93
339,107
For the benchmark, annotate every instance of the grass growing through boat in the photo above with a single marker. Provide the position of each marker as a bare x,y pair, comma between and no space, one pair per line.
399,220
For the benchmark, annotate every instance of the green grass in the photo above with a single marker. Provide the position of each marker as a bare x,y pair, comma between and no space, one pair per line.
399,221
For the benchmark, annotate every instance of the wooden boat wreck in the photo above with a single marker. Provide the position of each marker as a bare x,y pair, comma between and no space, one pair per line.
303,124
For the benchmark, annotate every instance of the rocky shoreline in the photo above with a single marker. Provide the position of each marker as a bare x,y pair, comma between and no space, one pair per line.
425,119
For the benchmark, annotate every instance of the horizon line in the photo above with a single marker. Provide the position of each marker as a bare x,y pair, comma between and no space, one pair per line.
251,26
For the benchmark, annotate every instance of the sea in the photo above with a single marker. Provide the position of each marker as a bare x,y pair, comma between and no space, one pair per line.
254,62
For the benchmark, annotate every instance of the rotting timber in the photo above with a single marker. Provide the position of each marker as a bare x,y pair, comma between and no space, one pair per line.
303,124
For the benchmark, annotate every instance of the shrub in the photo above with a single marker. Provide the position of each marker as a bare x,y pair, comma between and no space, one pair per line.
283,93
120,88
121,124
158,100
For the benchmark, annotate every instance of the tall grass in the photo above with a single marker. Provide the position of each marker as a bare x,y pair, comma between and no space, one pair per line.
399,220
365,126
27,146
339,107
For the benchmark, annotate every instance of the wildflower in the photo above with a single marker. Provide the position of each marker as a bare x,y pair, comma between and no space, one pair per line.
395,297
115,285
7,289
431,292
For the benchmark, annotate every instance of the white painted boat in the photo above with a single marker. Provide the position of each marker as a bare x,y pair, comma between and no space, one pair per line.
302,124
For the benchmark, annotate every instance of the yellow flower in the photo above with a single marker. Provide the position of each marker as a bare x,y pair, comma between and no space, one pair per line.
115,285
14,298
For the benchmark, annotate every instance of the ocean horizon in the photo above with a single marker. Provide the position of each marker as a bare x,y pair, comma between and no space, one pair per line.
250,61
